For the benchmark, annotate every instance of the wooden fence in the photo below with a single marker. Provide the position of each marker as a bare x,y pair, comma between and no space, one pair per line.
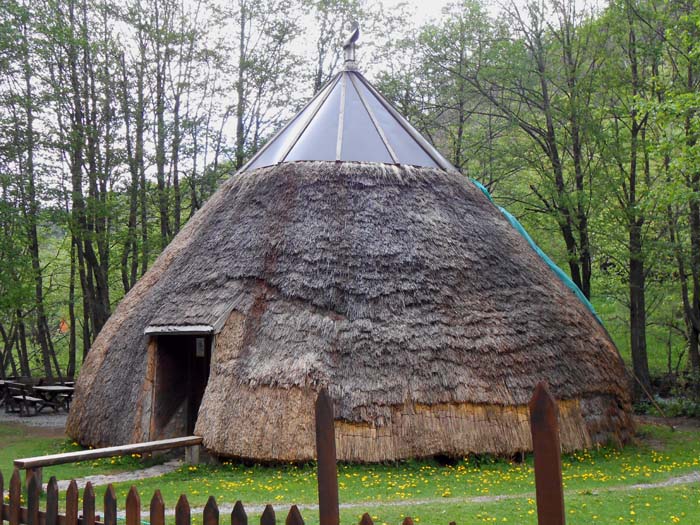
548,483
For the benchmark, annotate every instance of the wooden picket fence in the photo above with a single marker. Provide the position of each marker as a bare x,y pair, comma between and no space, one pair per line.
548,483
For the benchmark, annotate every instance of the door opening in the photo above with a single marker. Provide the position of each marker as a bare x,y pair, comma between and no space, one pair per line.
182,371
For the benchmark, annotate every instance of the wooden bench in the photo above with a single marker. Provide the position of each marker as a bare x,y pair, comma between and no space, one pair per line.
18,399
34,465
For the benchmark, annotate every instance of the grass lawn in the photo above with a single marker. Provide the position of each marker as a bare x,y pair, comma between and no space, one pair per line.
19,441
642,507
598,484
659,455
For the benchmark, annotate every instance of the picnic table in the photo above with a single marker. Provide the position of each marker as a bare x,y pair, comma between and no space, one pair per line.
3,393
55,396
19,399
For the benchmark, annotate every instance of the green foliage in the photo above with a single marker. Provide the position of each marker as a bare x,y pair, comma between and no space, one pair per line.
672,407
197,88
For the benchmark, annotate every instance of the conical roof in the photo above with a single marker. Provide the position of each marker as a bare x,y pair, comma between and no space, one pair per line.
349,120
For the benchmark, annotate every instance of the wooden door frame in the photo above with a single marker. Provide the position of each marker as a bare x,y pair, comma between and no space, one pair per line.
155,347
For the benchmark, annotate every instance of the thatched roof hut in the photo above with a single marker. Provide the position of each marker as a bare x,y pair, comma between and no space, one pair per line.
349,254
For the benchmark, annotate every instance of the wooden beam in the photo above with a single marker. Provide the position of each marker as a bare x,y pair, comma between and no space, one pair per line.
195,329
122,450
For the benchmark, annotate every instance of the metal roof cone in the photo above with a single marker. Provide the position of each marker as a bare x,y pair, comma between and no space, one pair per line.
349,120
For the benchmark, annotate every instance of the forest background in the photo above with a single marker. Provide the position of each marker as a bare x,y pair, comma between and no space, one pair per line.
118,119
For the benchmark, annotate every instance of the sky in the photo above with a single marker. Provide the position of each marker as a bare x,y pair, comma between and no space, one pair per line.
426,9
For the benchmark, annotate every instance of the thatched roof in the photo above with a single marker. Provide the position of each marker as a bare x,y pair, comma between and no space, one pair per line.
402,289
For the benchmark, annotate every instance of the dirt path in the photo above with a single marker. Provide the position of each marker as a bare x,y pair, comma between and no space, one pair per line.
680,423
133,475
42,425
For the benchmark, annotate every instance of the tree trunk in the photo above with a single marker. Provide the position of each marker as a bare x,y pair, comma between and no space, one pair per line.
640,363
72,342
161,63
140,126
129,270
6,358
240,90
31,210
174,159
694,221
563,211
25,369
78,208
95,217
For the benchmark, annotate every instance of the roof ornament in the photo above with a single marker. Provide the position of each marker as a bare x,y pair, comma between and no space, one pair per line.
349,47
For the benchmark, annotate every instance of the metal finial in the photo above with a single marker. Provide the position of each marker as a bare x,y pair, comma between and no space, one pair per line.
349,46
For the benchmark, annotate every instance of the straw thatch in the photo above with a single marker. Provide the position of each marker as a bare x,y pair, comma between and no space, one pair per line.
402,289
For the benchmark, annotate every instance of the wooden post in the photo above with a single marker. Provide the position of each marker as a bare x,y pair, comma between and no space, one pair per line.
366,519
2,491
110,506
328,505
182,511
547,449
35,472
294,517
133,507
33,494
72,503
88,504
52,502
268,516
211,512
238,515
157,509
15,497
192,455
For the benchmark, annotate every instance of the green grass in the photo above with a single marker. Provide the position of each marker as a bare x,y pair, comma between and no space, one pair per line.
19,441
387,491
643,507
660,454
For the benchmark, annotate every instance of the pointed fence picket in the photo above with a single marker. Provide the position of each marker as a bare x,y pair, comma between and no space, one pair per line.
548,483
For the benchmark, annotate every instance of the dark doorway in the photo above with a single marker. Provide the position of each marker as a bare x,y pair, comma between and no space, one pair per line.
182,371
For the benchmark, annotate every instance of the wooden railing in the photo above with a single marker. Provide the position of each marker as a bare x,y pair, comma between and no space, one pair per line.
34,465
107,452
548,483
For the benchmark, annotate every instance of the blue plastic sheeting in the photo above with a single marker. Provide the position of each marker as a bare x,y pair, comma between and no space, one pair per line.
483,190
563,277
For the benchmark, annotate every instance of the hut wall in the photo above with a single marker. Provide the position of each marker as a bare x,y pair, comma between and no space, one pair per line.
277,423
282,429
